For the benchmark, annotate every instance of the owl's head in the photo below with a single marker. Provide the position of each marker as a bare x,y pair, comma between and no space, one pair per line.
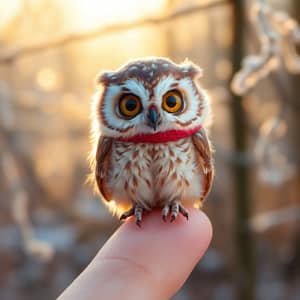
148,96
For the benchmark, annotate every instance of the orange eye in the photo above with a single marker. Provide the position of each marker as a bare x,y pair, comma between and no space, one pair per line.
130,105
172,101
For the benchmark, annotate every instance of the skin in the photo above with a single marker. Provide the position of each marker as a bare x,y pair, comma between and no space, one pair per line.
151,262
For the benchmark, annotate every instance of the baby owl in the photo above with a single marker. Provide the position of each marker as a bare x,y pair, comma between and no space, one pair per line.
151,147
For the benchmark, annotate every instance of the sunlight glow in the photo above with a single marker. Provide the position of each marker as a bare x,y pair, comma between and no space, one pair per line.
90,13
48,79
9,10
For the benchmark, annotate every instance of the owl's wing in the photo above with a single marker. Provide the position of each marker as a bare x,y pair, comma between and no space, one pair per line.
205,161
102,165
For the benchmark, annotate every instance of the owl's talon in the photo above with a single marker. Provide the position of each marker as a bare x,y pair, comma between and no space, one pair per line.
173,217
174,208
135,211
184,212
138,213
127,214
165,212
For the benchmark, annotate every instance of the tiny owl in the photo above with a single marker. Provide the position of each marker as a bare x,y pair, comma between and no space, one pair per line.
150,143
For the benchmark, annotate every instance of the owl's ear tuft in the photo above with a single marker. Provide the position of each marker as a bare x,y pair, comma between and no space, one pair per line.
103,77
190,69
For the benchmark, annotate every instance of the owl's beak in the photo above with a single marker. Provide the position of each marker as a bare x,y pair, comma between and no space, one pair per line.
153,116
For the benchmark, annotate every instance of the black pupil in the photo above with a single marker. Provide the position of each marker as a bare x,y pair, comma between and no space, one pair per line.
171,101
131,104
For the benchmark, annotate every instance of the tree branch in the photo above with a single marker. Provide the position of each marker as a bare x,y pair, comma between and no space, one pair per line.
279,34
10,55
267,220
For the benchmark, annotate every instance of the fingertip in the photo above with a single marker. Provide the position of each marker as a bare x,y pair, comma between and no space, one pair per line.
151,262
206,226
168,251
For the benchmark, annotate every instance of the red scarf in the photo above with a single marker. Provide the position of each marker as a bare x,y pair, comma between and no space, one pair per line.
160,137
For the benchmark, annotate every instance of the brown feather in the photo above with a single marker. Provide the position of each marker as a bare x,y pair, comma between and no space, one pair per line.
205,161
102,165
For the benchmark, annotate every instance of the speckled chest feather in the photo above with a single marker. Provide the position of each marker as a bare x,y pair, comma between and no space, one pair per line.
153,174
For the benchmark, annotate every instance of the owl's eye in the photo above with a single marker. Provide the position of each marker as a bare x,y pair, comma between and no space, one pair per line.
172,101
130,105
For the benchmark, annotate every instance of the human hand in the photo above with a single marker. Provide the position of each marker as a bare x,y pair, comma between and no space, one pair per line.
151,262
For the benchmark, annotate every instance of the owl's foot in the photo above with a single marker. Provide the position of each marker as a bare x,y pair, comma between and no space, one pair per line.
136,211
174,208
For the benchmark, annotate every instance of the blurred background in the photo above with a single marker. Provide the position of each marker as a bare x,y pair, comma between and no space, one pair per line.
51,222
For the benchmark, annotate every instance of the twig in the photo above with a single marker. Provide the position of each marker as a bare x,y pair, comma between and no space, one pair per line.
279,35
10,55
258,66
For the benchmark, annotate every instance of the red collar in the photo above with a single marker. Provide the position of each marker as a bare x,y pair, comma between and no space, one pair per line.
160,137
